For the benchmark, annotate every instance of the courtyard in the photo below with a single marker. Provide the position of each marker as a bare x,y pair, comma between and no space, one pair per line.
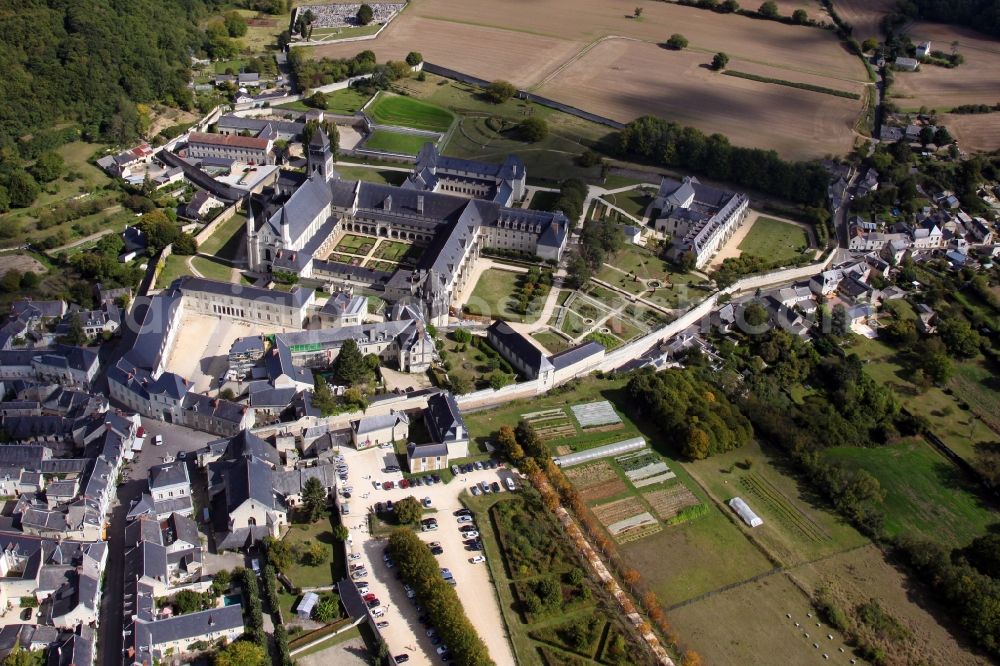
381,254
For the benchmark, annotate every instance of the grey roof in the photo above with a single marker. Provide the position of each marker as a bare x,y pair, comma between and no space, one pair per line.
444,420
182,528
517,343
152,317
576,354
218,408
27,456
295,298
290,482
246,443
186,627
244,479
168,474
302,207
255,125
368,424
74,649
436,450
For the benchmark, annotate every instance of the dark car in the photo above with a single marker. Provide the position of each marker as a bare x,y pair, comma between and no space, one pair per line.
429,480
415,481
495,486
462,512
437,550
373,603
388,506
436,477
379,507
401,658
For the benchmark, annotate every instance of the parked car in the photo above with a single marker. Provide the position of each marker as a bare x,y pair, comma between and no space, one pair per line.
369,597
388,485
374,603
404,483
427,502
464,519
429,480
476,492
472,535
436,477
401,658
478,465
485,487
415,481
382,625
391,468
377,612
158,440
389,507
409,592
437,550
493,463
510,484
478,559
495,487
354,556
456,470
432,632
462,512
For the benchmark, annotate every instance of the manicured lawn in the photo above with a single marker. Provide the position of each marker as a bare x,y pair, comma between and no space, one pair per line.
774,240
333,641
335,34
409,112
395,142
344,102
926,495
494,295
634,202
397,251
226,239
543,200
355,244
554,342
331,569
960,429
371,175
174,267
213,270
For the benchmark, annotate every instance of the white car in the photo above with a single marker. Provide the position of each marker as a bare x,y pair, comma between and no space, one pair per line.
471,534
158,440
464,519
354,556
478,559
382,625
510,484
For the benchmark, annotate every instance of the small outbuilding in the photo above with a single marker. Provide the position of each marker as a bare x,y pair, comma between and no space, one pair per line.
744,511
306,605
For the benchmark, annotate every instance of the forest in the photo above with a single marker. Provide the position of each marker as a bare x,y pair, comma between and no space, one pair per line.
982,15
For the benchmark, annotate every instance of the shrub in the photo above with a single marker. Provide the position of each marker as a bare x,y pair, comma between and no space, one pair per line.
677,42
533,129
500,91
414,58
720,61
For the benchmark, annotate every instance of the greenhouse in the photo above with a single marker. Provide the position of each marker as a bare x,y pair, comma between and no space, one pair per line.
605,451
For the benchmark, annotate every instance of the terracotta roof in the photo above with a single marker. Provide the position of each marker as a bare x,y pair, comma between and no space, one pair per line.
229,140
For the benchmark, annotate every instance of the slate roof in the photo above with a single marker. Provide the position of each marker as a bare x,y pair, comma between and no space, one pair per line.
293,299
443,418
576,354
369,424
168,474
291,482
517,343
435,450
185,627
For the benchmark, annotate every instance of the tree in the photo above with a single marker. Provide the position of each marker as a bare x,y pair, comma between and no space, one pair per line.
314,554
76,334
221,582
800,17
942,137
350,364
279,553
959,338
533,129
729,6
499,379
318,100
499,91
697,445
322,396
227,394
159,230
936,366
48,167
365,14
720,61
408,510
235,24
186,244
769,9
341,533
414,58
677,42
188,601
327,609
869,45
241,653
22,189
18,656
314,498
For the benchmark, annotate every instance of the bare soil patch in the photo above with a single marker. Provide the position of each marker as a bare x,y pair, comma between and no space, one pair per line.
489,53
864,15
20,262
606,489
668,503
974,132
973,82
645,79
586,476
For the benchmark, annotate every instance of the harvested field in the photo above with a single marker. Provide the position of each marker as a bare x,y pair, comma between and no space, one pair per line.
864,15
774,43
979,132
973,82
797,123
619,510
489,53
668,503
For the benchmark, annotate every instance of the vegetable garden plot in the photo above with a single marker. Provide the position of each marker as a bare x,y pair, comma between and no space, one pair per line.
645,469
671,501
595,414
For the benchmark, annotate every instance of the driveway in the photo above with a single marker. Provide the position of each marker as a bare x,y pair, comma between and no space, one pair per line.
475,588
176,439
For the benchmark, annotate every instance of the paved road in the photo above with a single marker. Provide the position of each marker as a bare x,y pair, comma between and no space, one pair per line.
177,439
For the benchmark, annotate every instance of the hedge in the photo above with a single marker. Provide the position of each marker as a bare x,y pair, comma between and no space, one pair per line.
793,84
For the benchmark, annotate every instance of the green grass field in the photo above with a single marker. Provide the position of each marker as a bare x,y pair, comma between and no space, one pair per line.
212,269
331,569
554,342
331,35
380,176
355,244
774,240
409,112
226,239
174,267
975,384
926,495
395,142
493,294
960,429
633,202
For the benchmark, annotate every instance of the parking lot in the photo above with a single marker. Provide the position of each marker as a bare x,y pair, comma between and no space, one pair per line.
404,633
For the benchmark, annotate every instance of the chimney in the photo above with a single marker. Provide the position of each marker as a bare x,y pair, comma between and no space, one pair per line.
420,204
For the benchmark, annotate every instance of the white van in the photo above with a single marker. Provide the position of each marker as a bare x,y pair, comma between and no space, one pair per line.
158,440
378,611
510,484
